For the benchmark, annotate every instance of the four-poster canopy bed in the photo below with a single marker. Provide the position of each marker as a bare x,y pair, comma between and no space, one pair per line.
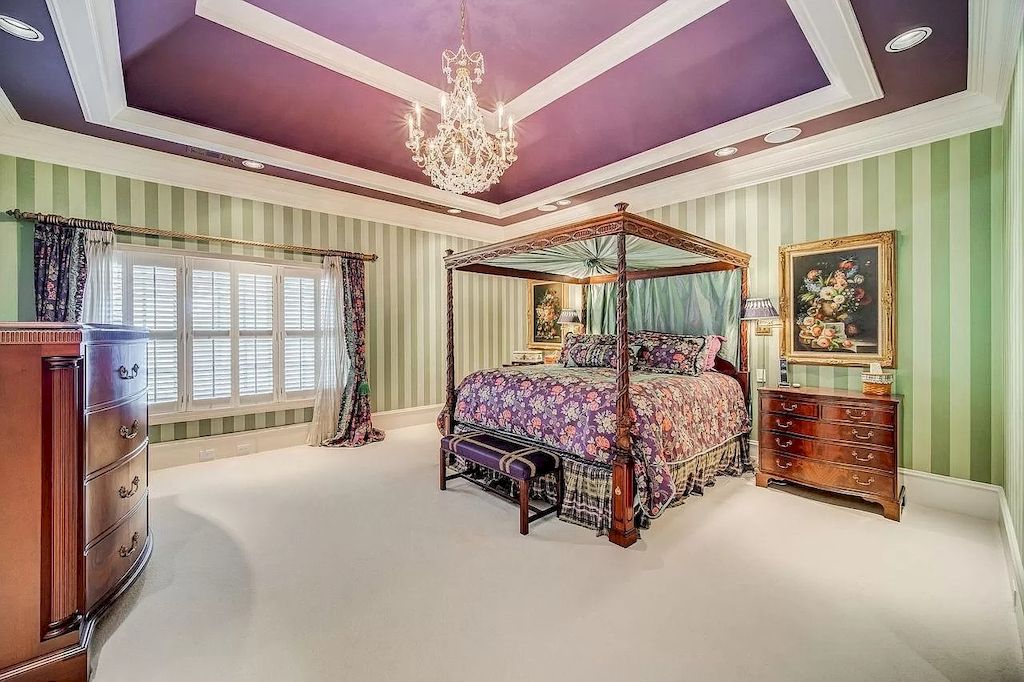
617,248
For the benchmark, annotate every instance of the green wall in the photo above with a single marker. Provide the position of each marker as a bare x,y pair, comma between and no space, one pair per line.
946,201
405,288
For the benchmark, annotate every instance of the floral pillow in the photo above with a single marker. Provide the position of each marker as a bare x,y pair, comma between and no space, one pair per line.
593,350
672,353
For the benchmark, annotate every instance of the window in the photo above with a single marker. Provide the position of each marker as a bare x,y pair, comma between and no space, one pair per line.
223,333
301,322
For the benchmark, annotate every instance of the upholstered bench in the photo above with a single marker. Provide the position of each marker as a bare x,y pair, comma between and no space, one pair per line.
521,463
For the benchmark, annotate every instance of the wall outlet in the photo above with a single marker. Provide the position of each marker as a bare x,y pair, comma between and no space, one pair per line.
762,376
206,454
246,448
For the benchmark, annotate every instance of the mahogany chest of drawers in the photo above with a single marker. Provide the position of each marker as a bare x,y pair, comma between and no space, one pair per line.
841,441
74,476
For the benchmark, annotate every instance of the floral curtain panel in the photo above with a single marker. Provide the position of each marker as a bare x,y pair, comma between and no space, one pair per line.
701,304
355,426
60,269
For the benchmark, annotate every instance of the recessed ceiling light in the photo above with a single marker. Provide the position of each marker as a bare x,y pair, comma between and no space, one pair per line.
909,39
455,211
726,151
255,165
19,29
547,208
563,202
782,135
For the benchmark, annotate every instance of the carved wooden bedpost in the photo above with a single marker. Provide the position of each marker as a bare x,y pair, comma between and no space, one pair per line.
449,381
623,531
744,292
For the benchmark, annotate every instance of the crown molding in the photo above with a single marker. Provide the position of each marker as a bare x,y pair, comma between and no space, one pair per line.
994,25
88,35
53,145
268,28
939,119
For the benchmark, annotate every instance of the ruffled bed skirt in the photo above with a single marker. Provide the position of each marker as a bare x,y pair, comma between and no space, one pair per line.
587,498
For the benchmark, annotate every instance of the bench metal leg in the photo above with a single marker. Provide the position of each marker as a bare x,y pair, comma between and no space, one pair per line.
524,507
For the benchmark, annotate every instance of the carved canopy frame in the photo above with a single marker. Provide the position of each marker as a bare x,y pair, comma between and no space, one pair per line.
621,225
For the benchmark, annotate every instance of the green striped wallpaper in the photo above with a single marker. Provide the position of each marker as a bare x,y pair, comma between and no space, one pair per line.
1013,406
946,201
405,288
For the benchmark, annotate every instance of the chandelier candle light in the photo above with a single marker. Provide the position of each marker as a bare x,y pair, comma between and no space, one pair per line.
462,157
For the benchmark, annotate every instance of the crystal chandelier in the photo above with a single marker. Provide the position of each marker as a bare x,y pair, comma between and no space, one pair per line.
462,157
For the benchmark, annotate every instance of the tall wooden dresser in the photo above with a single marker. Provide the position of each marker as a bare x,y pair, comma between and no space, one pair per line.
841,441
74,465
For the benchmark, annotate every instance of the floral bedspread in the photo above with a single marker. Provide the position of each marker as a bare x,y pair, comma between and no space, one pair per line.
573,410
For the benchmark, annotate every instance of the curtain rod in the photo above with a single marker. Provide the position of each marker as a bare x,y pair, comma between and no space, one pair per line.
51,219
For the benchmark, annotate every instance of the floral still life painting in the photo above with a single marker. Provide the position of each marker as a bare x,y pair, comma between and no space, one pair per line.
838,302
546,302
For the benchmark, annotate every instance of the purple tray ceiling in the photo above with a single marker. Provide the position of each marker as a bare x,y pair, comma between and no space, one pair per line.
718,68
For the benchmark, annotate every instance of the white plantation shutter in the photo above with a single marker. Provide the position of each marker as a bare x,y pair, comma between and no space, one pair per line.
301,316
224,333
255,332
212,358
155,307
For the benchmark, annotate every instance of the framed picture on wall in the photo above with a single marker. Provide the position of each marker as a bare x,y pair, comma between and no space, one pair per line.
545,301
838,300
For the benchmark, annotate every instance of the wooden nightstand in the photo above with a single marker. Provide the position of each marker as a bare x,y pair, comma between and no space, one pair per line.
842,441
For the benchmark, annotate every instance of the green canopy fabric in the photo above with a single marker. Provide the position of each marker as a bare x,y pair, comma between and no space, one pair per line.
599,256
698,305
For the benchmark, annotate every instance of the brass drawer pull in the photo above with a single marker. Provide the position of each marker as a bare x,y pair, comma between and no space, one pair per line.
856,456
781,444
782,465
128,374
129,433
778,423
860,482
125,493
126,552
869,436
851,415
789,408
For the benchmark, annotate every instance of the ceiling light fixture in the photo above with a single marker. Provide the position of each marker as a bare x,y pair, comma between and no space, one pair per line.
19,29
547,208
455,211
462,157
725,151
782,135
254,165
908,39
563,202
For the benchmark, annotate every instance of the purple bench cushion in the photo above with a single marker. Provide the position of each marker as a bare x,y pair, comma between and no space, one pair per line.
519,461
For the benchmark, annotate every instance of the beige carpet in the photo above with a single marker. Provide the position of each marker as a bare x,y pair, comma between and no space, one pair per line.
321,564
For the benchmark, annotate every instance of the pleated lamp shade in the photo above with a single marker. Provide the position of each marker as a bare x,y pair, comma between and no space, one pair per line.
569,316
759,309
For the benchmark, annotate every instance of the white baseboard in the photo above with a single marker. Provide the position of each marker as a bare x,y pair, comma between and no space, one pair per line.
982,500
1013,562
410,416
944,492
192,450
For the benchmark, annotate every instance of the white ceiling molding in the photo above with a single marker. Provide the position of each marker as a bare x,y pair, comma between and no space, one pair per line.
939,119
53,145
649,29
270,29
8,114
994,25
837,42
834,35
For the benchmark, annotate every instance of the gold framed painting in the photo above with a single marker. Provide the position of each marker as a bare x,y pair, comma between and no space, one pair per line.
545,301
838,300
